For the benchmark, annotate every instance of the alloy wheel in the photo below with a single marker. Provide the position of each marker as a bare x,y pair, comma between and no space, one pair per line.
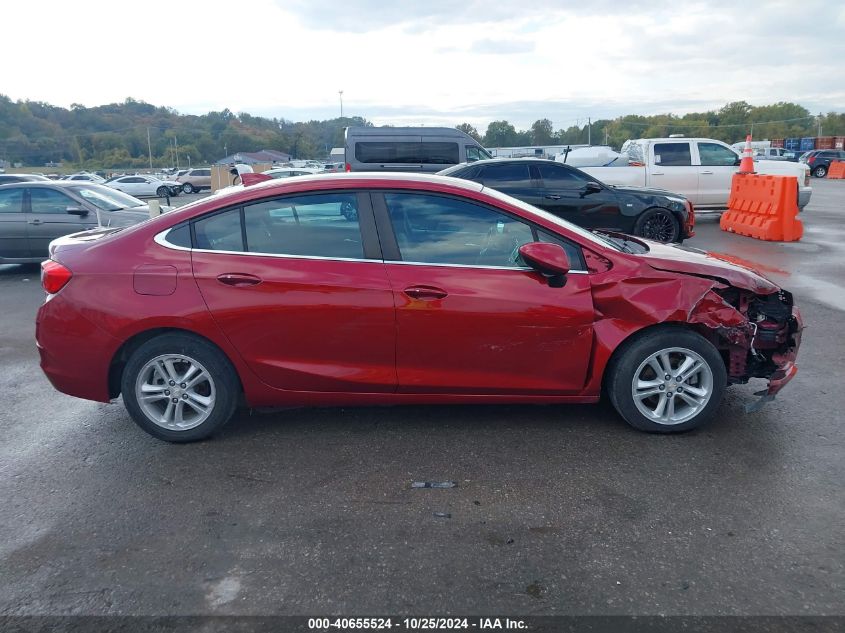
672,386
175,392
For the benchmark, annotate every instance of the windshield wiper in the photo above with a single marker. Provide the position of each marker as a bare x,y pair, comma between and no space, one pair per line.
616,241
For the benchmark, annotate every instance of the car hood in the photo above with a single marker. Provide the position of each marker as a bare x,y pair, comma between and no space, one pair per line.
644,191
693,261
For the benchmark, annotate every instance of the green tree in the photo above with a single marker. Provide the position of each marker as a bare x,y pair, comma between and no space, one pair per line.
470,130
542,132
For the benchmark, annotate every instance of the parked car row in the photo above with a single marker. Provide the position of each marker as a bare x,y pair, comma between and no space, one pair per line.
819,160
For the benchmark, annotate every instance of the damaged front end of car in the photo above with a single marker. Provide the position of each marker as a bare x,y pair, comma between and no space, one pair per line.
758,335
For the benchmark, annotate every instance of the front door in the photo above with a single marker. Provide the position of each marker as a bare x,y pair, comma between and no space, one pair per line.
715,175
471,318
566,194
49,219
301,291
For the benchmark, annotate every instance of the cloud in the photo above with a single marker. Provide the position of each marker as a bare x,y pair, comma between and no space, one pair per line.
502,47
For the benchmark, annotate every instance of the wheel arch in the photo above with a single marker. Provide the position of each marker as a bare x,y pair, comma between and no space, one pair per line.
636,335
125,351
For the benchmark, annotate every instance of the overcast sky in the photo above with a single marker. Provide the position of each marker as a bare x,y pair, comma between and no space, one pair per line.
427,61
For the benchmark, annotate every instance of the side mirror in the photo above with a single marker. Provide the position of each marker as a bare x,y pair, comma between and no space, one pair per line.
590,187
77,211
549,260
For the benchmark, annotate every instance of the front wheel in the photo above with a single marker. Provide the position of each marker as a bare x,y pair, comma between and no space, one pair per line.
667,381
659,225
820,171
188,188
179,388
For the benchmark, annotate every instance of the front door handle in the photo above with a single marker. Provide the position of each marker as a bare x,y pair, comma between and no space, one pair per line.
425,292
35,222
238,279
552,197
657,173
706,172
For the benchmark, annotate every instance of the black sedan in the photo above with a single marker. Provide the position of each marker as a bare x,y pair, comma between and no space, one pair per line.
578,197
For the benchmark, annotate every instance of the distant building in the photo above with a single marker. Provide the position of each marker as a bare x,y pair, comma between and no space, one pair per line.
251,158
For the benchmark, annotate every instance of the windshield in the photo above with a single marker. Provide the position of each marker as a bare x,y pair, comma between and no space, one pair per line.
108,199
596,239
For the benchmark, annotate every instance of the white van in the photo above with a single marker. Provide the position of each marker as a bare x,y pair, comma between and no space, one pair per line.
425,149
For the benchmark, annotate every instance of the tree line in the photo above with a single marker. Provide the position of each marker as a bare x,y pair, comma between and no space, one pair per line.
121,135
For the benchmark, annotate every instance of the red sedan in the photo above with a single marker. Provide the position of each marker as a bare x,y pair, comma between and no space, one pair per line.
362,289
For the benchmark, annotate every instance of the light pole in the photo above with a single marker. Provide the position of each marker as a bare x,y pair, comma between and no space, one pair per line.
340,94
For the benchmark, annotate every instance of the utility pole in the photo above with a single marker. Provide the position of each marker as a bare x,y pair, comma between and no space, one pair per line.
176,147
340,94
820,124
589,131
149,148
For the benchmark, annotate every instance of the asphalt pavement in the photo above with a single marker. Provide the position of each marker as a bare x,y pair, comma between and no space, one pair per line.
557,509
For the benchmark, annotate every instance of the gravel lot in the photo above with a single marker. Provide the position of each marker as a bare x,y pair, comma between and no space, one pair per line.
558,510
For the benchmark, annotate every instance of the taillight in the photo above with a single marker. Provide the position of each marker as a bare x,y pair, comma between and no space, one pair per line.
348,167
811,159
54,276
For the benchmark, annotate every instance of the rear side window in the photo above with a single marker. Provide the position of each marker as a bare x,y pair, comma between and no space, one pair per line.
672,154
320,225
11,200
508,175
437,153
220,232
475,153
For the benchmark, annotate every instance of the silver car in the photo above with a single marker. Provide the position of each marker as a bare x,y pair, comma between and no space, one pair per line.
32,214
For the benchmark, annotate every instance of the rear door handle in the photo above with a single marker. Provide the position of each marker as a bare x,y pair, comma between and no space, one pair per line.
552,197
657,173
238,279
425,292
706,172
35,222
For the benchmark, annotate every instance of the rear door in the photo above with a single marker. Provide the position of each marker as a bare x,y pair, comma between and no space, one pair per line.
512,178
566,195
49,219
471,318
671,168
13,237
301,291
717,166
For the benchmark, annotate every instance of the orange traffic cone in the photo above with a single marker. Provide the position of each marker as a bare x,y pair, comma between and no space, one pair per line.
746,166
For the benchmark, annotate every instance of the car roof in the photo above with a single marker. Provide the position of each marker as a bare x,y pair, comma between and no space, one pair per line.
62,184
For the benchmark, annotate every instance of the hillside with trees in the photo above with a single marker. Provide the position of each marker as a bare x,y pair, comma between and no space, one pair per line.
116,135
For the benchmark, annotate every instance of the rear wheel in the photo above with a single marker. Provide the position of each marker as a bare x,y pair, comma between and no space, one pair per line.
820,171
659,225
179,388
667,381
162,191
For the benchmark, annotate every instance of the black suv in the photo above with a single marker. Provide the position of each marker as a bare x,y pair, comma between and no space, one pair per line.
571,194
818,160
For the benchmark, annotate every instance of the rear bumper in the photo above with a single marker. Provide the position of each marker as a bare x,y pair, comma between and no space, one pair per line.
75,354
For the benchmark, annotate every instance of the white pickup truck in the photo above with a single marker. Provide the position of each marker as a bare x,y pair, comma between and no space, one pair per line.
700,169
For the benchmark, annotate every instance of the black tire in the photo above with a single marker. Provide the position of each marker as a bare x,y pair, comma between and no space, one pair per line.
225,387
162,192
658,224
627,361
820,171
188,188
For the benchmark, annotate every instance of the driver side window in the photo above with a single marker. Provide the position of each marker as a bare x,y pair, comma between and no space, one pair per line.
436,229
